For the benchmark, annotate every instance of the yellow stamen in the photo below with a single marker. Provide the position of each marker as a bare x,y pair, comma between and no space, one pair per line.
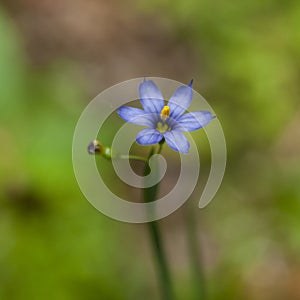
165,113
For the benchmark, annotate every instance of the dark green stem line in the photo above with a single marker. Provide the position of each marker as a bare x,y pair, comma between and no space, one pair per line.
165,280
198,278
156,239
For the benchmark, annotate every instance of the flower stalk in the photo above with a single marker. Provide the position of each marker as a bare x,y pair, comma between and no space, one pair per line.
198,278
156,239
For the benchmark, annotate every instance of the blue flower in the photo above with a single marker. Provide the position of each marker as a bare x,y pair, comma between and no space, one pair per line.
165,121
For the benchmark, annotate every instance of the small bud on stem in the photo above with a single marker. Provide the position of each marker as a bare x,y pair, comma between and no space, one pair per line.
96,148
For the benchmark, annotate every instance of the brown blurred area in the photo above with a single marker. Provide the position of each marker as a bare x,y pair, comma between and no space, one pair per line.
110,41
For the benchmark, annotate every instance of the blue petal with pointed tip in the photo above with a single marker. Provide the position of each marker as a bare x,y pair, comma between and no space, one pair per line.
148,136
135,116
177,141
180,101
151,97
194,120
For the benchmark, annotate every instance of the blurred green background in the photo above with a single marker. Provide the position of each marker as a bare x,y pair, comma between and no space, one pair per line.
55,56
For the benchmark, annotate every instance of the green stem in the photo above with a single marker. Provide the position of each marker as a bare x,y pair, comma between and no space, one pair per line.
195,255
156,239
160,146
133,157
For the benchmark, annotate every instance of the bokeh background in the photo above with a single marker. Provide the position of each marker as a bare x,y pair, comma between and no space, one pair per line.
55,56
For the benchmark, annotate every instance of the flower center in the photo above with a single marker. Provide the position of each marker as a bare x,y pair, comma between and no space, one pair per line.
162,127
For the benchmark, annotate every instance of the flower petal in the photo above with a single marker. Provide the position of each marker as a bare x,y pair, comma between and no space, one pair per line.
177,141
148,136
151,97
135,116
194,120
180,101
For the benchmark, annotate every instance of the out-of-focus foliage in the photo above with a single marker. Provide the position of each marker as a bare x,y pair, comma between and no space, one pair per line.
54,245
248,53
248,57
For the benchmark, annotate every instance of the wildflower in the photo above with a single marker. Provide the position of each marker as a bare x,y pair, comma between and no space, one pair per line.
165,122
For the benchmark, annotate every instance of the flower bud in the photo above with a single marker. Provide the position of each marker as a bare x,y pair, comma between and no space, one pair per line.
96,148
